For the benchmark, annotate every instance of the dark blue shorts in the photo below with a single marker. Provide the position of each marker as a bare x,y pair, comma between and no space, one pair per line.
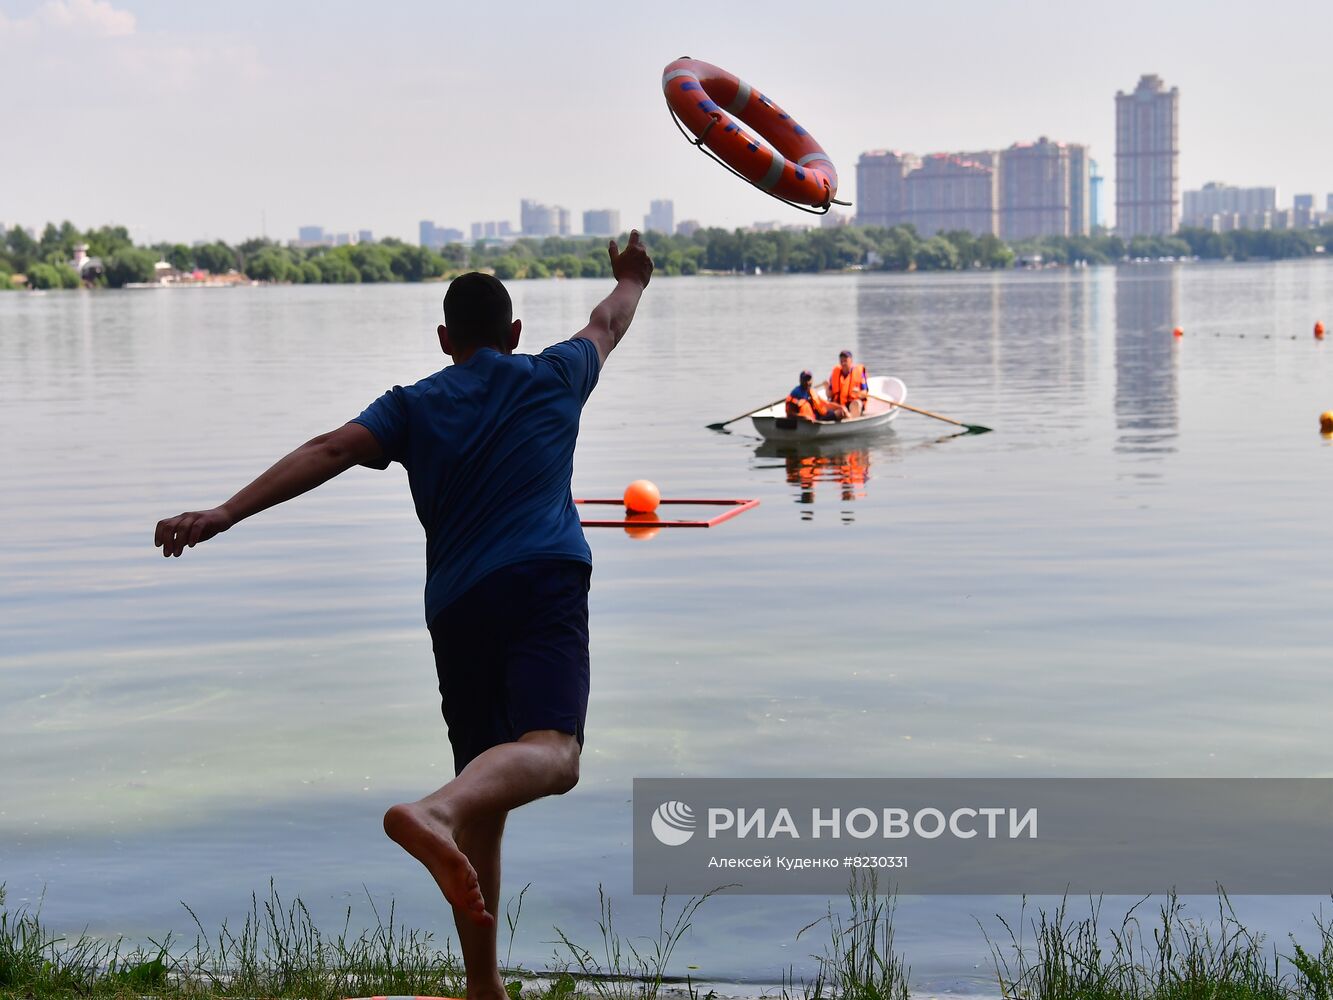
512,656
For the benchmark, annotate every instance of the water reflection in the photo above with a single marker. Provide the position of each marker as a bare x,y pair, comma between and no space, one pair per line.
843,468
142,768
1025,334
1146,391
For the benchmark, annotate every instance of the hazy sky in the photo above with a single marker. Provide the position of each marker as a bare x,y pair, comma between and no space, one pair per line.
188,120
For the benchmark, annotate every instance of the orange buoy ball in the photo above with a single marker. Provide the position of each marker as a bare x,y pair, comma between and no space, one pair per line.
642,497
1318,330
642,526
1178,332
1326,422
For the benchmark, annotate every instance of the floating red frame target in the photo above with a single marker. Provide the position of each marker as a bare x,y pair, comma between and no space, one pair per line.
734,507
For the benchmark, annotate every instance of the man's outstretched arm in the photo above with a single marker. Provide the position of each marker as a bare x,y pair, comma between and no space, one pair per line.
315,462
632,269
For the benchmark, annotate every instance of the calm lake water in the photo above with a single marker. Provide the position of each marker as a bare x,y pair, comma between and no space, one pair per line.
1130,577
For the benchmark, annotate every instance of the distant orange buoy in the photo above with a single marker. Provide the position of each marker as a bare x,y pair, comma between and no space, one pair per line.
1178,332
1326,421
1318,330
642,497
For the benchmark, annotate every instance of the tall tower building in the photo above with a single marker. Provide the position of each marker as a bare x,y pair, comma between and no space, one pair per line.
1147,154
1080,191
1096,208
661,217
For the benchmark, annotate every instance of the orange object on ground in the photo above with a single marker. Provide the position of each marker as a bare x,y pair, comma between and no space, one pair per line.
642,497
842,389
1318,330
732,508
1326,422
705,98
1178,332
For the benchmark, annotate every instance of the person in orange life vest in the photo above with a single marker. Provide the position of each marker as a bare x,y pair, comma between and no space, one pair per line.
804,403
847,385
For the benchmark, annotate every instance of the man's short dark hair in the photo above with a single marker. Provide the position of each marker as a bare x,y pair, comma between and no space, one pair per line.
477,310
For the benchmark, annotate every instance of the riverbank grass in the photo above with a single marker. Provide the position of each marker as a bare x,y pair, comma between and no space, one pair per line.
278,953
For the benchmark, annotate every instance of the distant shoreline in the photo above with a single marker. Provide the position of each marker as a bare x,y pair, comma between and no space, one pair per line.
66,258
842,272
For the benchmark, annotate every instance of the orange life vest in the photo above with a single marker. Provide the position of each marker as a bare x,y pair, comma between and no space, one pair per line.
845,388
807,409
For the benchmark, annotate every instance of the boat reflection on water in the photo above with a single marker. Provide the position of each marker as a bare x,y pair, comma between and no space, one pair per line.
845,471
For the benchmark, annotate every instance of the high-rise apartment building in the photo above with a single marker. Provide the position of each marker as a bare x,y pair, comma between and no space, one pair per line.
661,217
492,230
310,234
1040,188
601,222
536,219
1034,190
881,177
1043,190
688,227
953,191
1221,207
1080,190
1147,154
1302,211
433,236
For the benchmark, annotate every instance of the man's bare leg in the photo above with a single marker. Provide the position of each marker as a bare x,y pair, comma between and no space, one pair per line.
540,763
480,841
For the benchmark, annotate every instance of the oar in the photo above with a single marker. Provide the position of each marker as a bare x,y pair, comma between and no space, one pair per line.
718,427
780,399
971,428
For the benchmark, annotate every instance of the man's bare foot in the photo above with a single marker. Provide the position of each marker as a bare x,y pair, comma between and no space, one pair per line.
421,835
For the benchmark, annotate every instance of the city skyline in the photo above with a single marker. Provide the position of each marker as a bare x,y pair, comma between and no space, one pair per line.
184,122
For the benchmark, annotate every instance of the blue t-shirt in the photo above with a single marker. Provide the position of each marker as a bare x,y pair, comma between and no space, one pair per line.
489,450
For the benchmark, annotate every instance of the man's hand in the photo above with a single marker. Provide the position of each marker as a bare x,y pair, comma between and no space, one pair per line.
613,315
176,534
633,263
315,462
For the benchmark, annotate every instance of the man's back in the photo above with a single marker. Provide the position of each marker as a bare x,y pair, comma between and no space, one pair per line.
488,445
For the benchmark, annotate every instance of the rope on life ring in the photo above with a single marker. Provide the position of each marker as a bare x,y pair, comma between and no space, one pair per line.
792,168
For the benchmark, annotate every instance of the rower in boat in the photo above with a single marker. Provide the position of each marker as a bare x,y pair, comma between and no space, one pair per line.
804,403
848,386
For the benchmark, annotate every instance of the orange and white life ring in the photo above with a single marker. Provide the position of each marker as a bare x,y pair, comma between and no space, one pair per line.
792,167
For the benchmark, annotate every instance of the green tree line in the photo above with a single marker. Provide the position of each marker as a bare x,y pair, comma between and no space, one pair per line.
45,260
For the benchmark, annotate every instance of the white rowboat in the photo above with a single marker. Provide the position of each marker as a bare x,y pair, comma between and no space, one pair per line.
774,424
